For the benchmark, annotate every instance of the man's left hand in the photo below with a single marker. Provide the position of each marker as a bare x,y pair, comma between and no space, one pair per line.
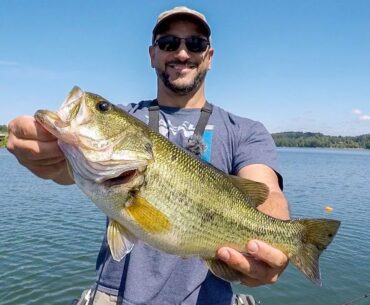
262,266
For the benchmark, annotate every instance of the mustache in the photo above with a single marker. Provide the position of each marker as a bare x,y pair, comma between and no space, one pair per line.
179,62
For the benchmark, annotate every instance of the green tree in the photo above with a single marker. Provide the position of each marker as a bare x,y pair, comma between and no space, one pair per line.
311,139
3,128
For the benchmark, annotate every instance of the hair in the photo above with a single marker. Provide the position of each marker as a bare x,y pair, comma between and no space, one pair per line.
165,24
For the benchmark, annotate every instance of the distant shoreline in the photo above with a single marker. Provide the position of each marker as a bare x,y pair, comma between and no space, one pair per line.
333,149
3,135
319,140
3,138
288,139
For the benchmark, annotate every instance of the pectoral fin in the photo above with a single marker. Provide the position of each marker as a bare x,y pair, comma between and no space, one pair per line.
120,241
147,216
222,270
256,192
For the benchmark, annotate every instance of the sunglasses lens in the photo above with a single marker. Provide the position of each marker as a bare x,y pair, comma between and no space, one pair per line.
168,43
196,44
193,44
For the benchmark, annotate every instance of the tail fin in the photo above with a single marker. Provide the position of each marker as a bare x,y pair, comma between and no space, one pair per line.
316,236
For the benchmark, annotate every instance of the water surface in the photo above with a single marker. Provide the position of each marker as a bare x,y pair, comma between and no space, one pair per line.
50,234
314,179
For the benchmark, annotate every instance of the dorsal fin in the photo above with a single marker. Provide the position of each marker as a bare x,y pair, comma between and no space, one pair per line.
255,192
73,95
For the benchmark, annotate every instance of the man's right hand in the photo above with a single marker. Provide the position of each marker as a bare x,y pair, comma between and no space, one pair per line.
38,150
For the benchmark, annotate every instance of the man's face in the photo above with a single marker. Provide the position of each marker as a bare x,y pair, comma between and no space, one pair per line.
181,71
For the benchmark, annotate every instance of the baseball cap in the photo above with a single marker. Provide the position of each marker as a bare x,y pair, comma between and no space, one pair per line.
182,11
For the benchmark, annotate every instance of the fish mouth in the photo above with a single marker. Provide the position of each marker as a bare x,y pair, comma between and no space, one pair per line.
50,120
56,122
122,179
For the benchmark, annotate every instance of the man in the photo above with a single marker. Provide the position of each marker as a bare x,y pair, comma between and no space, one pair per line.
181,55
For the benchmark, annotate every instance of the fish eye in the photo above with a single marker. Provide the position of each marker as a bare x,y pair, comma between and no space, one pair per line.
103,106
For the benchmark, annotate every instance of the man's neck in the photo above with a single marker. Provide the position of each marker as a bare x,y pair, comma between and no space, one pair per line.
191,100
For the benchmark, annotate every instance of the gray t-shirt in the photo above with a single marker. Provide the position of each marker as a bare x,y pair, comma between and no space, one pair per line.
150,277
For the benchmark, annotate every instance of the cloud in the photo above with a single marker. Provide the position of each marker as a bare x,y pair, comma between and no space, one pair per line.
357,111
12,70
360,115
8,63
364,117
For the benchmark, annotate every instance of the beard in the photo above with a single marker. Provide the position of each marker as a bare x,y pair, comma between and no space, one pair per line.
182,89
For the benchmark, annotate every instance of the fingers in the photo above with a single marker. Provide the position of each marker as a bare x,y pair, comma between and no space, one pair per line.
252,269
26,127
42,162
37,149
32,149
261,266
29,141
53,171
269,255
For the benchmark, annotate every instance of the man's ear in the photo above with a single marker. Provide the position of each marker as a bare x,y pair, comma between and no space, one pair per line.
151,54
210,56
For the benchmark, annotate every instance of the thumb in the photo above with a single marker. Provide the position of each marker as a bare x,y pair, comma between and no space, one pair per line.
266,253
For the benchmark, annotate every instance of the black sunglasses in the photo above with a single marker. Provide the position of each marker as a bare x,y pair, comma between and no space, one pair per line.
171,43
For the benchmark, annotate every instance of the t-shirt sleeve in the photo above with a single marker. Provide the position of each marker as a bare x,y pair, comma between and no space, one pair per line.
138,110
255,145
128,107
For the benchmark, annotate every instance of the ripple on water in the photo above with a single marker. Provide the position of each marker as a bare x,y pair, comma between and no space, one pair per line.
50,235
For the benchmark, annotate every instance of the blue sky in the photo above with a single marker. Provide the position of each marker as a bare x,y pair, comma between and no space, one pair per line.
301,65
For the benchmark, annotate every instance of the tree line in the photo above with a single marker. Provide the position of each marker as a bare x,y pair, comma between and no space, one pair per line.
313,139
3,130
292,139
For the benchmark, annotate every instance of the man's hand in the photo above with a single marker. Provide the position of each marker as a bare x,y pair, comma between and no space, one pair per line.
262,266
37,149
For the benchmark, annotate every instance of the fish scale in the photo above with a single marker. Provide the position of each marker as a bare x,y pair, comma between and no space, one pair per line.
152,190
188,222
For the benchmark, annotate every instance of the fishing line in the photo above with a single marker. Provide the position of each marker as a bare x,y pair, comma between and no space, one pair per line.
352,301
91,300
366,295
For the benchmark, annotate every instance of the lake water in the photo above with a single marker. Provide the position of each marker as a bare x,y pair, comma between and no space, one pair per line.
50,234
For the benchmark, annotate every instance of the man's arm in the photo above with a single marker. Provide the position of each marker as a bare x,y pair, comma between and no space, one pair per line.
38,150
265,263
276,205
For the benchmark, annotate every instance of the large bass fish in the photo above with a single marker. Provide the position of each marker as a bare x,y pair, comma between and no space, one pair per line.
152,190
